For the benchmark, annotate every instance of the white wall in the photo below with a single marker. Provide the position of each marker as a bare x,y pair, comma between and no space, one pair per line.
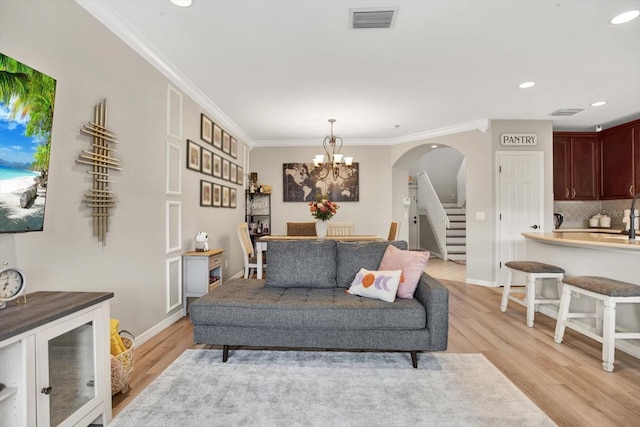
90,64
442,165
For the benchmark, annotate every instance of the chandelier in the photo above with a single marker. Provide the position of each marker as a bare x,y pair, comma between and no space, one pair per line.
336,165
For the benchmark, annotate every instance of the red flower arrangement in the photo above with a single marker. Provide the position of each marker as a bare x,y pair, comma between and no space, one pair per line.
323,209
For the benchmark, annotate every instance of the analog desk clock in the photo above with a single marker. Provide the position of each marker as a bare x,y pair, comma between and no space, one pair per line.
12,285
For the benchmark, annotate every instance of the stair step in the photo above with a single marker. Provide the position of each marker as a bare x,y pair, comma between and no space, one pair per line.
456,232
454,211
457,226
457,249
457,218
456,241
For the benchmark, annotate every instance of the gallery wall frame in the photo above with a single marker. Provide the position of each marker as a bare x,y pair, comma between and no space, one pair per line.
217,166
217,196
193,155
206,162
233,172
225,196
206,129
234,148
206,189
233,198
173,283
173,172
240,176
226,142
225,169
217,136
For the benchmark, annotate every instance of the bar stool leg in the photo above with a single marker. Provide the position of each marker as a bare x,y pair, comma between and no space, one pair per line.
505,292
608,334
531,298
563,312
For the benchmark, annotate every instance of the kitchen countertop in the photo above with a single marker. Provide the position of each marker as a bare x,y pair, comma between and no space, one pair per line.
587,239
588,230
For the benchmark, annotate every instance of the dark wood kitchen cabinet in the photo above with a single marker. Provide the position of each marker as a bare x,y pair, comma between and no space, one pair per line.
619,161
575,166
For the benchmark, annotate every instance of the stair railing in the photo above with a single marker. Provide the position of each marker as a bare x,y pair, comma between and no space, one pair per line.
428,201
461,180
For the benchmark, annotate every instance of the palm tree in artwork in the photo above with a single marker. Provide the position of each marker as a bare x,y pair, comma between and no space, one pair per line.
32,93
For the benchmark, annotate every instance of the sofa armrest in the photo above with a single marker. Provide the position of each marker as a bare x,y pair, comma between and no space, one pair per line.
435,297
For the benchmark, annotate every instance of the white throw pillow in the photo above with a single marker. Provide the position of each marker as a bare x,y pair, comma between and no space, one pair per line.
382,285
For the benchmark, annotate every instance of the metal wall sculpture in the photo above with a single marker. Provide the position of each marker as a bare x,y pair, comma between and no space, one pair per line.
100,198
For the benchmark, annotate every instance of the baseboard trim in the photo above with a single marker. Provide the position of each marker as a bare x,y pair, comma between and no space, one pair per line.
478,282
159,327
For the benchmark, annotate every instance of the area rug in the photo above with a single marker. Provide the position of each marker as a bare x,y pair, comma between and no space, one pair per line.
322,388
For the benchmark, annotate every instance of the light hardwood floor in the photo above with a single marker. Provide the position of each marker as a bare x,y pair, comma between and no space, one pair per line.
565,380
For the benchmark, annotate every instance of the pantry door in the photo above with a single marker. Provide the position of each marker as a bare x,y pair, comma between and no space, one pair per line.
520,201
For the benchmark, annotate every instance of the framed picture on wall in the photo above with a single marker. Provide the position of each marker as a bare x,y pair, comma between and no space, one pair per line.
217,136
206,161
206,129
217,166
217,196
226,142
225,196
240,175
225,169
193,155
233,172
205,193
233,196
234,148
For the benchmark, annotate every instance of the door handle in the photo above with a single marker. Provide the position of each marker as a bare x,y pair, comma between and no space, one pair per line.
534,226
573,195
46,390
631,190
566,192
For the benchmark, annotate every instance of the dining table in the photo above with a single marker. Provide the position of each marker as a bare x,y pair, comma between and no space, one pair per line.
261,243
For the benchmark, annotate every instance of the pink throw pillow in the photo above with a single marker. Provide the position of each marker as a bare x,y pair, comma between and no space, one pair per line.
412,264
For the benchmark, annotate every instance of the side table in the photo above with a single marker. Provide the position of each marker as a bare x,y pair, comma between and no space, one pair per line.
201,272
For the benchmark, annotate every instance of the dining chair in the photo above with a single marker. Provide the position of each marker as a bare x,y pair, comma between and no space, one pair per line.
393,230
340,229
248,254
301,228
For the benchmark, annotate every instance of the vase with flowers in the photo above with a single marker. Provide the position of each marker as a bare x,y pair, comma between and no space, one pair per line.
322,210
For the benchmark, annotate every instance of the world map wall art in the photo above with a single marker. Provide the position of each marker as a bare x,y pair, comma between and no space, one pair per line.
301,183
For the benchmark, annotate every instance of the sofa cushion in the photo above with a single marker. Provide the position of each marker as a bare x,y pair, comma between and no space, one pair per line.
248,303
412,264
382,285
352,256
302,264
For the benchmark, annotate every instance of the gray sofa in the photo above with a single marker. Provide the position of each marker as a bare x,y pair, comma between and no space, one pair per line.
303,304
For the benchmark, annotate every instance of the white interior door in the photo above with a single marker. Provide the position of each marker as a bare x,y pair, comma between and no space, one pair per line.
520,203
413,220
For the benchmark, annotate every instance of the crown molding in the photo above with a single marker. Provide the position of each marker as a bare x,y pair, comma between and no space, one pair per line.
482,125
104,13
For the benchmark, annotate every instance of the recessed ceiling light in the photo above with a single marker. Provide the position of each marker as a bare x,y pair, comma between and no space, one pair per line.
434,146
182,3
526,85
625,17
598,104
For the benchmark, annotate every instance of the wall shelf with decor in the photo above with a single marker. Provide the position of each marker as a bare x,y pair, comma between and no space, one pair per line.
258,214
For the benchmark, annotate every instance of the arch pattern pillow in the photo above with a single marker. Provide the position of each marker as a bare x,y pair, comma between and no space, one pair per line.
382,285
412,264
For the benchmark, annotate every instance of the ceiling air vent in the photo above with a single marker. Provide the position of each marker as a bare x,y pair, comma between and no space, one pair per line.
566,111
373,18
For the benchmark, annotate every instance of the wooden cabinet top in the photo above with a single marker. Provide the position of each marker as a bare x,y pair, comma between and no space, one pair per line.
210,252
44,307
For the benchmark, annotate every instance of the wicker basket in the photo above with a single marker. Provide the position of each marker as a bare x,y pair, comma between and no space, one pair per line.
122,365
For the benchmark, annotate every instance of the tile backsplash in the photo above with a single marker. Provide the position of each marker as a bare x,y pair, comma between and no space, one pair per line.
577,213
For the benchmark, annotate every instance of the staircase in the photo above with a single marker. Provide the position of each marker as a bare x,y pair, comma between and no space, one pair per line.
456,239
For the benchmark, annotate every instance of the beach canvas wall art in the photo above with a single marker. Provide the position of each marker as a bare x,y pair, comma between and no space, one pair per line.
27,99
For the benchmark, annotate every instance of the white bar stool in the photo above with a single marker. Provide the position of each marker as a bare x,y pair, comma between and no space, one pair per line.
534,270
610,292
